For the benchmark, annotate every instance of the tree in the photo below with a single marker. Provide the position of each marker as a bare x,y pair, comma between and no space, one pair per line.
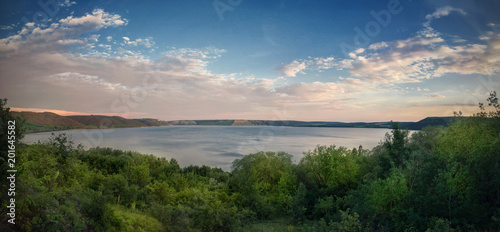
11,131
333,169
394,151
266,181
471,180
298,206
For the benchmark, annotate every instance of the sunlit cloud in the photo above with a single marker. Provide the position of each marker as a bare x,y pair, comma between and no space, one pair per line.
435,96
423,56
440,12
73,65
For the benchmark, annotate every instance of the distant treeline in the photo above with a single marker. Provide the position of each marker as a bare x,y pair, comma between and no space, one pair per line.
46,121
436,179
429,121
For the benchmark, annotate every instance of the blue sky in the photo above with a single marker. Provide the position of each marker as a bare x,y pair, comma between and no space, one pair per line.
239,59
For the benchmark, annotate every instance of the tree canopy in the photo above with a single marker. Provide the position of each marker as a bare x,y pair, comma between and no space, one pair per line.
436,179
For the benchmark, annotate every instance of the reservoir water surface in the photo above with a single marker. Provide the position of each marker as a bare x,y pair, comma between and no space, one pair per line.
218,146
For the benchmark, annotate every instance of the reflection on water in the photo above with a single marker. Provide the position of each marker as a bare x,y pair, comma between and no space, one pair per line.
219,145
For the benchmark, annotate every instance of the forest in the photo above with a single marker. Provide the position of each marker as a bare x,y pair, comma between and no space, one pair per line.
435,179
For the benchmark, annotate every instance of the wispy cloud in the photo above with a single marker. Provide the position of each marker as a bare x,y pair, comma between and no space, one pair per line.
316,64
7,27
424,56
60,35
440,12
67,65
291,70
435,96
66,3
41,70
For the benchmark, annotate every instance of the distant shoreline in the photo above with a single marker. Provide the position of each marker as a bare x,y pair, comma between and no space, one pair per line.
108,128
50,122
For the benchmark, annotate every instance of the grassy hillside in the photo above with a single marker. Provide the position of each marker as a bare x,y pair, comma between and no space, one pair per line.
404,184
152,122
436,179
430,121
38,122
46,121
100,121
409,125
242,123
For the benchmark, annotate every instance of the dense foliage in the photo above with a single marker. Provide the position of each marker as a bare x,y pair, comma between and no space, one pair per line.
436,179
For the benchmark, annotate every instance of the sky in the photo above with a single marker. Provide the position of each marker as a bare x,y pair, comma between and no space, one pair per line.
350,61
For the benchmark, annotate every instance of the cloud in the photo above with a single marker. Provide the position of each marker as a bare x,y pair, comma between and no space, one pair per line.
66,3
422,58
146,42
190,53
323,91
411,60
7,27
42,70
291,70
378,46
435,96
67,66
95,21
57,36
440,12
318,64
82,79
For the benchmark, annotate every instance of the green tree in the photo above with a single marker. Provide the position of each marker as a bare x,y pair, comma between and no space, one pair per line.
470,183
332,170
11,131
394,151
298,206
266,182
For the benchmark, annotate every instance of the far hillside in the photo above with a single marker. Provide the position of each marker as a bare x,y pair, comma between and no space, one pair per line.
430,121
100,121
46,121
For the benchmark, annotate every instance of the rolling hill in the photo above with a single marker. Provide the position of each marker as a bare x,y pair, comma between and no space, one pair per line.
38,122
429,121
46,121
99,121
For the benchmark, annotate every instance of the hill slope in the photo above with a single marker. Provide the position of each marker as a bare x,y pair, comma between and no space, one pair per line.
100,121
430,121
46,121
37,122
152,122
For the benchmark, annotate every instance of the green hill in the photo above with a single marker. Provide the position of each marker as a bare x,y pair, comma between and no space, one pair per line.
430,121
153,122
46,121
100,121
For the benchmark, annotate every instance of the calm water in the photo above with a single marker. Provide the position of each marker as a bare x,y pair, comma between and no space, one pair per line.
218,145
